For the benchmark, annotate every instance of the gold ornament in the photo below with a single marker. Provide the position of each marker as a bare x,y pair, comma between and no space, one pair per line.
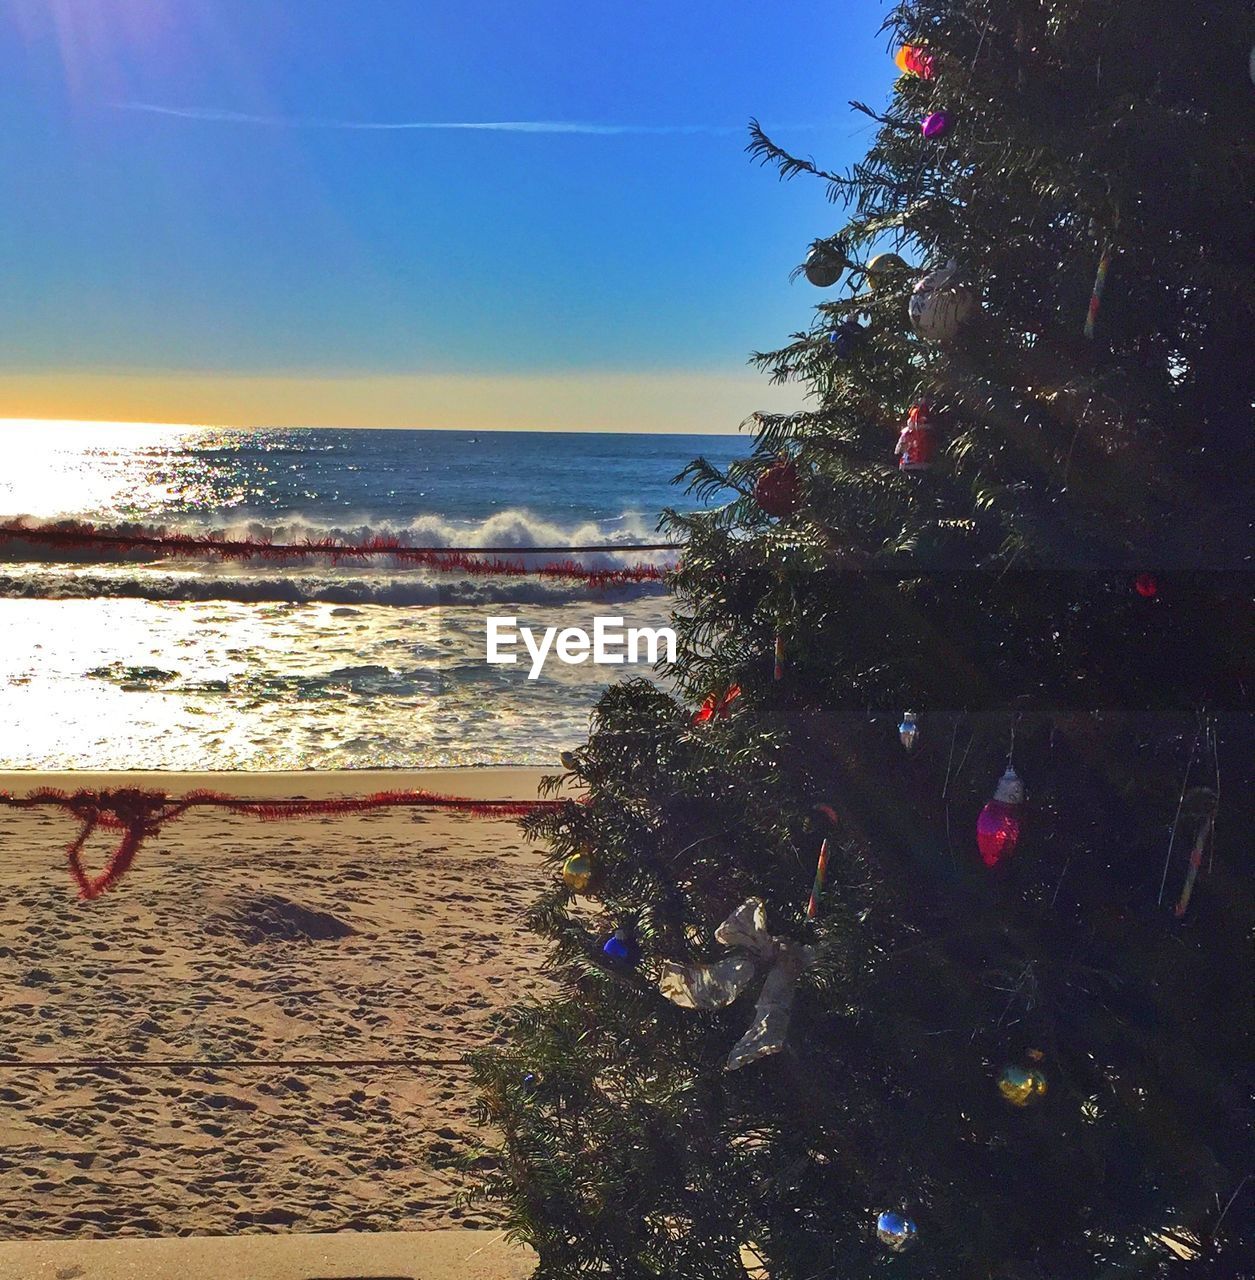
1022,1086
882,267
577,872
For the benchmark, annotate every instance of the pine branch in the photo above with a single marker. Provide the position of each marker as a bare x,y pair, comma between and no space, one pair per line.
766,152
893,122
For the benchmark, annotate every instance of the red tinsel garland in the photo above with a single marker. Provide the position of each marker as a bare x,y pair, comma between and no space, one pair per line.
470,560
139,814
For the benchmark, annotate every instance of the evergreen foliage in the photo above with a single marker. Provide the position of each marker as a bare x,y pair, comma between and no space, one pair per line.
994,596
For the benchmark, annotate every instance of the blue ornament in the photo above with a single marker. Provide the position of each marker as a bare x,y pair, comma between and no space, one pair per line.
847,339
895,1231
620,948
530,1082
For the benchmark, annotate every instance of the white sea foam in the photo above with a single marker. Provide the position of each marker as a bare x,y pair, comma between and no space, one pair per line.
35,570
132,683
514,528
350,587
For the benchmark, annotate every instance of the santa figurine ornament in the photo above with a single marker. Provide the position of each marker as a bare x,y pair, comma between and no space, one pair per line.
917,443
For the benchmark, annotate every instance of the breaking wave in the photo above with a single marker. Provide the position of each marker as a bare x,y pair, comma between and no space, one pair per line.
30,568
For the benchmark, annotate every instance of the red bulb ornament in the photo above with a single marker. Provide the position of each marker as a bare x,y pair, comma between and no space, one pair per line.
998,827
1146,585
778,490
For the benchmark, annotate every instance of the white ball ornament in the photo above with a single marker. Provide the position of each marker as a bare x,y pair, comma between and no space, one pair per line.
941,304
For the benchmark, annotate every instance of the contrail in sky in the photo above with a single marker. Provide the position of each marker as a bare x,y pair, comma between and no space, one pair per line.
216,116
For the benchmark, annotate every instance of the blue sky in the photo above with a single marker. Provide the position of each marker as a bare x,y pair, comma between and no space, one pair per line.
138,244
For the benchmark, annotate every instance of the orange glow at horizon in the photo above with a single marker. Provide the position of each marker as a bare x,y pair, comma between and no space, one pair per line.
673,402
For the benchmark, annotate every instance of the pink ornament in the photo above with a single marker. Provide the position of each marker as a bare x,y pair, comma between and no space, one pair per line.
998,827
936,125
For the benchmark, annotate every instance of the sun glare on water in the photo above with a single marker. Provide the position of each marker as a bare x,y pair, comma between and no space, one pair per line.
60,467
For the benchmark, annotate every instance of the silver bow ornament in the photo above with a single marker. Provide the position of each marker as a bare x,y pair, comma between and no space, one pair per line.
714,986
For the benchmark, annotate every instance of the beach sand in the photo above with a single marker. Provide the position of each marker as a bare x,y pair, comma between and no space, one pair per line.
205,951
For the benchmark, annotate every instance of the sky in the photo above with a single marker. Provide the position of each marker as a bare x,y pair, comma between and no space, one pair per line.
254,212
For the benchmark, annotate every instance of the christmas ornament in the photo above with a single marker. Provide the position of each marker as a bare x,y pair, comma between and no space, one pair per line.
777,489
940,304
1100,285
936,125
1022,1086
1146,585
577,872
895,1231
717,706
998,827
846,339
1202,803
714,986
823,267
620,948
915,60
821,869
568,761
531,1082
821,874
883,265
917,442
908,730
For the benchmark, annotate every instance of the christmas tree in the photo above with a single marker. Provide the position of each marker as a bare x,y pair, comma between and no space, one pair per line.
905,925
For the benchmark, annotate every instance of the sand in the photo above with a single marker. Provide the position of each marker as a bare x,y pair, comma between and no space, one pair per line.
208,950
445,1254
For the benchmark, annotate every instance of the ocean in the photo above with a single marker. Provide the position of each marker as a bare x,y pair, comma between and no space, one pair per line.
129,660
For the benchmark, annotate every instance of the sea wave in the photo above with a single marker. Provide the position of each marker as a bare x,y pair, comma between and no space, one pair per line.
350,587
31,568
511,530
